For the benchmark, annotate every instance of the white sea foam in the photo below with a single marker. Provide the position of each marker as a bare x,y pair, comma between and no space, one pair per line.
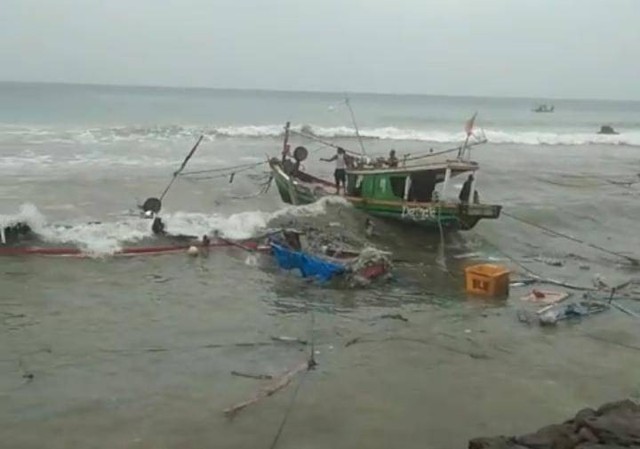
103,238
27,213
173,132
307,210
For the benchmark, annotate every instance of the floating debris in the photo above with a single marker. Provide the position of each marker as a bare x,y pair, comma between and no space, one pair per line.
285,339
394,316
569,311
545,296
252,376
550,261
280,382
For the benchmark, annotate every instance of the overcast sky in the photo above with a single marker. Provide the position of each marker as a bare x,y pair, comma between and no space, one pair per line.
532,48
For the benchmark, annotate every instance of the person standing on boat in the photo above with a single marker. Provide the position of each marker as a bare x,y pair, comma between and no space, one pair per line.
392,162
465,193
340,173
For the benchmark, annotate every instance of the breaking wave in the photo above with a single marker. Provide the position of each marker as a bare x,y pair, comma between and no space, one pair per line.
104,238
22,134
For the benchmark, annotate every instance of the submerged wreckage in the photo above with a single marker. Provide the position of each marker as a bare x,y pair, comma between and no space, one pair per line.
284,246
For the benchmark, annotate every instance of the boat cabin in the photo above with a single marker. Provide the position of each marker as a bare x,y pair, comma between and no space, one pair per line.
425,183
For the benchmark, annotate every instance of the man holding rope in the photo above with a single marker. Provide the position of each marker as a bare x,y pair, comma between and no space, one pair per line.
340,173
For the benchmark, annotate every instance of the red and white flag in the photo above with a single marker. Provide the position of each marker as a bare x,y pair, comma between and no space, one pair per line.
468,126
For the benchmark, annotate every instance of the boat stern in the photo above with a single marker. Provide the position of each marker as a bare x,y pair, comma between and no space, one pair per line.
471,214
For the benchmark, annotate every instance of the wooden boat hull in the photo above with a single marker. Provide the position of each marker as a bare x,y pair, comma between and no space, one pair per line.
296,191
430,216
148,250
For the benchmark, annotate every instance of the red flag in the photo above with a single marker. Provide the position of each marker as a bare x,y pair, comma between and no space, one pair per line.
468,126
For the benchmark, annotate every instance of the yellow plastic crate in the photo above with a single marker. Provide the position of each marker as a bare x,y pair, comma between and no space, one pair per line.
487,280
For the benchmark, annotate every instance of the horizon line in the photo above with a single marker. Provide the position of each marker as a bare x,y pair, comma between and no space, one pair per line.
325,92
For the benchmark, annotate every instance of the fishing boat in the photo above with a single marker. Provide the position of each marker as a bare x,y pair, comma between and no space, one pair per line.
608,130
417,191
544,108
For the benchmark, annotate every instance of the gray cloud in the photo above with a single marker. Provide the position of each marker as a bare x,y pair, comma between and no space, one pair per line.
538,48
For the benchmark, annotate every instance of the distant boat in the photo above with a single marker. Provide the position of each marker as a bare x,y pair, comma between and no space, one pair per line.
544,108
606,129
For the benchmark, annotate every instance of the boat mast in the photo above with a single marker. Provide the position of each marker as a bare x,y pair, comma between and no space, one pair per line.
285,143
355,125
468,127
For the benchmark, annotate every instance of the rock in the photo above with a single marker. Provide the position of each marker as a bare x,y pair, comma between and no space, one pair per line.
555,436
618,406
581,417
599,446
620,426
494,443
587,435
612,426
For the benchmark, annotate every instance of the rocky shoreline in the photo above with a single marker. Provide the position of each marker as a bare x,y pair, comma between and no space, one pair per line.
614,425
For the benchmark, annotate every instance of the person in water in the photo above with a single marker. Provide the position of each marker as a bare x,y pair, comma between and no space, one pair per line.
393,160
465,193
13,233
340,173
157,226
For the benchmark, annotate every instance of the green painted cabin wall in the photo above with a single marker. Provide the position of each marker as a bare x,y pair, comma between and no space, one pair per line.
379,187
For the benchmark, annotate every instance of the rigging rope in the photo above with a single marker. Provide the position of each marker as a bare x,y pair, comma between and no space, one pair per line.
451,150
441,259
274,443
224,172
312,363
634,261
421,155
319,140
239,167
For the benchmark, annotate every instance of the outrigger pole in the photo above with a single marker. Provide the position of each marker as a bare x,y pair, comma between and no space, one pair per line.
155,204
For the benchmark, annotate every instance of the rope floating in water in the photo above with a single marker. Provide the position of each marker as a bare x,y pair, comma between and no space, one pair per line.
634,261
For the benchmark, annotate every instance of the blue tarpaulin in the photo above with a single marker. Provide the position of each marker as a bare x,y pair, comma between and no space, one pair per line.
309,266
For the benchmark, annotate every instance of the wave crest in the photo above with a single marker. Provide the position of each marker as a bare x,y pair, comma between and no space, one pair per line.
104,238
13,134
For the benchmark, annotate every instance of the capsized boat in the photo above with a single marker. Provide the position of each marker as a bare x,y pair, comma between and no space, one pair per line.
17,239
359,267
166,244
417,191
